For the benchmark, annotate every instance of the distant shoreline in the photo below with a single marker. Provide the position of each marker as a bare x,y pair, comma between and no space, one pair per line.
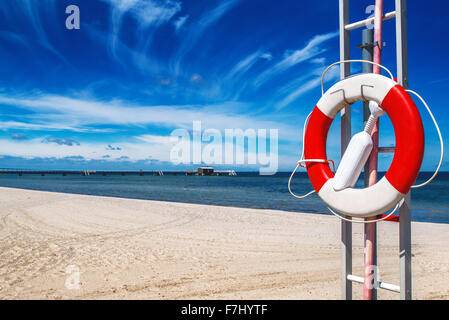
246,190
195,203
15,170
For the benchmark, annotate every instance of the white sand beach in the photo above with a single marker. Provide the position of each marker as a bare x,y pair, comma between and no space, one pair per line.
139,249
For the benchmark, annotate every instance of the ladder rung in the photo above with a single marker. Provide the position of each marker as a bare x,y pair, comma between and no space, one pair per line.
366,22
386,150
380,284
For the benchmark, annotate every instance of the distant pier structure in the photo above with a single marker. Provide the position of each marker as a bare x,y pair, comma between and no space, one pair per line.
209,171
201,171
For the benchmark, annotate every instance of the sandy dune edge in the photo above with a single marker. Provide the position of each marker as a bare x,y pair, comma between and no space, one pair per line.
138,249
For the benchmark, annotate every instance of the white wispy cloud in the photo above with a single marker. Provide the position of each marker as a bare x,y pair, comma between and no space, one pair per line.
178,23
80,114
150,138
144,12
215,14
246,63
294,57
33,13
14,37
42,124
197,29
60,149
148,14
320,61
267,56
445,79
307,85
140,148
196,78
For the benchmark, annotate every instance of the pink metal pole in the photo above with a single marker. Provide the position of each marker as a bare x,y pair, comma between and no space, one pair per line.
371,227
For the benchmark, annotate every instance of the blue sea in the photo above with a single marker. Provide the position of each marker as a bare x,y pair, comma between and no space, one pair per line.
247,190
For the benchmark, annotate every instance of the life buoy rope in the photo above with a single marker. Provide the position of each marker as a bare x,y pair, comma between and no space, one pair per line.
439,136
349,61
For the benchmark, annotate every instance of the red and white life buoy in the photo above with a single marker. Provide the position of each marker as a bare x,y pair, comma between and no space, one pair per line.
409,149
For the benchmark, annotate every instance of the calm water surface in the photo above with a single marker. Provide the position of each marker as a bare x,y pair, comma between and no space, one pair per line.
249,190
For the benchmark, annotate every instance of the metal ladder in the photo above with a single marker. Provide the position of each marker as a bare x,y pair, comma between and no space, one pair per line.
405,287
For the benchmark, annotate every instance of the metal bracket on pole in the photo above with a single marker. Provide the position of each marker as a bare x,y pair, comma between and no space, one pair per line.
370,45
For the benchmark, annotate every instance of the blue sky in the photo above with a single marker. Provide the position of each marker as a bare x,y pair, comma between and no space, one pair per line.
107,96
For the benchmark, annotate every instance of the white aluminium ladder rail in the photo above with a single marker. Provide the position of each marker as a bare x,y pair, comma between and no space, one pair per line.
380,284
400,14
366,22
